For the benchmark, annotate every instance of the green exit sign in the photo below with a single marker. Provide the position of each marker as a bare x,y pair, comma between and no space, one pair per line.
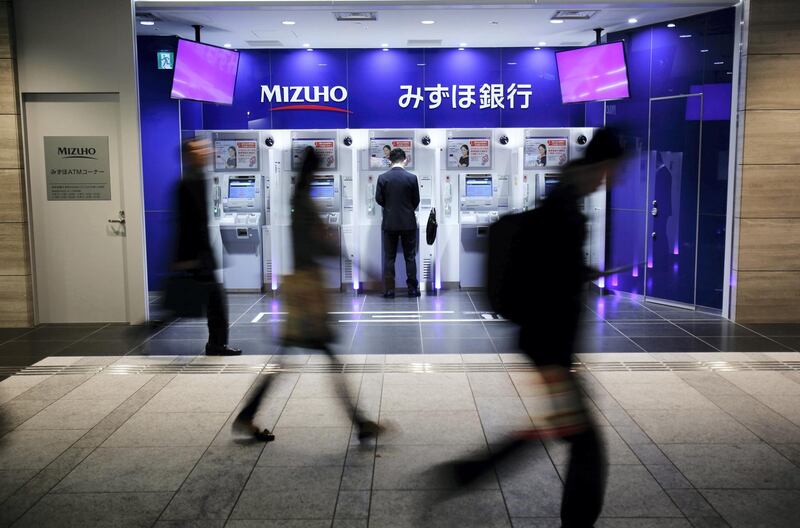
165,60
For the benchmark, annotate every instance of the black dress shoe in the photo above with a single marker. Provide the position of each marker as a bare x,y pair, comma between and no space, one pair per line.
413,292
388,294
221,350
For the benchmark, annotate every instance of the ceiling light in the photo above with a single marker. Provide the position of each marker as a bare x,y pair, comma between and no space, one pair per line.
685,36
427,22
632,20
543,43
719,63
703,51
670,25
463,44
385,45
556,21
226,45
288,22
306,45
147,22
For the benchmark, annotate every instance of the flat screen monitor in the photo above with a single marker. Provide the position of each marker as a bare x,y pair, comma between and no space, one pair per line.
242,188
322,188
479,186
595,73
204,73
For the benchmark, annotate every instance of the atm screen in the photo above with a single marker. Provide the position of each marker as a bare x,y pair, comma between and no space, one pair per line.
549,183
322,188
242,188
479,186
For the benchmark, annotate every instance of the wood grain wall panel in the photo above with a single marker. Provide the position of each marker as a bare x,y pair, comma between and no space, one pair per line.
8,87
772,82
14,249
769,244
770,191
774,27
772,137
6,51
12,196
768,296
16,307
10,155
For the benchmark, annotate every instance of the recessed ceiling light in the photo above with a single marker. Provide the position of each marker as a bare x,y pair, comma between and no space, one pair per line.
463,44
306,45
385,45
226,45
556,21
543,43
427,22
685,36
147,22
288,22
632,20
670,25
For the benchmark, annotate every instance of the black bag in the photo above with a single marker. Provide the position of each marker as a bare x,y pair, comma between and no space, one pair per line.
511,266
186,295
431,228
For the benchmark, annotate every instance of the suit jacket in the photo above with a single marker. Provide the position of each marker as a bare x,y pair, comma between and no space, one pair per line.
193,243
398,193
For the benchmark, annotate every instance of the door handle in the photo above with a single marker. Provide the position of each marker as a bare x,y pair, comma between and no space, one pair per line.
120,220
653,235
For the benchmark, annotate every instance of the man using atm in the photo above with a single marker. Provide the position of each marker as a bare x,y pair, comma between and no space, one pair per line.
397,193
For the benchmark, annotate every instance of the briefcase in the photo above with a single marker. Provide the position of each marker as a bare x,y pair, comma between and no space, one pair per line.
432,227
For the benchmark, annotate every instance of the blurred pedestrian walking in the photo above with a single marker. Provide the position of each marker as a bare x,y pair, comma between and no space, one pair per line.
192,289
307,324
540,287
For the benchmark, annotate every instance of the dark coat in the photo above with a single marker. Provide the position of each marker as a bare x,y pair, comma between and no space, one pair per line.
398,193
193,243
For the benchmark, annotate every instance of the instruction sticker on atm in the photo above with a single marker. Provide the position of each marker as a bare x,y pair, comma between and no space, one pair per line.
379,149
469,153
545,152
325,148
235,154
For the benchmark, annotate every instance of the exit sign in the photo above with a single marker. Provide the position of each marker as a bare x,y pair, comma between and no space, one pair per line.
165,60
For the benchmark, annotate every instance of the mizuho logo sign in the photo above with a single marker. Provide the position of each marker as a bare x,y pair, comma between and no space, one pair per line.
77,152
304,97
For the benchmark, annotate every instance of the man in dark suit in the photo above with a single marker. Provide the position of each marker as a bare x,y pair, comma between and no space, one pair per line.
398,193
193,253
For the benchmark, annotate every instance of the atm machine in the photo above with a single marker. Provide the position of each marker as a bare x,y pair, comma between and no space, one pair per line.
560,146
237,208
484,172
326,191
422,161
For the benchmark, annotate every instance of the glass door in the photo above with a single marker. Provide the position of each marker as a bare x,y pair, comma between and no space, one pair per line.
673,177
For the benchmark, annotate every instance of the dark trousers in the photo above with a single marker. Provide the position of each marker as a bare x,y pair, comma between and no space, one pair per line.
217,312
408,239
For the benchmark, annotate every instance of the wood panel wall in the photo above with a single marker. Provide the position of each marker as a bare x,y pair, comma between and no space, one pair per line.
767,263
16,297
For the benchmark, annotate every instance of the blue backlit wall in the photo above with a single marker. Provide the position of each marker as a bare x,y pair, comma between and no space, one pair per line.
693,57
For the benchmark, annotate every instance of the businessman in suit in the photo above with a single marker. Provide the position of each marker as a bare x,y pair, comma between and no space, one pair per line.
397,193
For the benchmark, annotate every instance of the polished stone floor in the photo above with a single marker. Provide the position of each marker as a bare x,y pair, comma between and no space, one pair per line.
108,426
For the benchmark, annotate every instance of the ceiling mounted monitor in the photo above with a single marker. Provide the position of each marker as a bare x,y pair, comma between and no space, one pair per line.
595,73
204,73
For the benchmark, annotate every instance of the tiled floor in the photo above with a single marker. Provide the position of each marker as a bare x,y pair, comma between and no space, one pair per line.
106,426
453,322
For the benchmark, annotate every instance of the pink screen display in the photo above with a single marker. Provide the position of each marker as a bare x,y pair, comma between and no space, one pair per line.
204,73
596,73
